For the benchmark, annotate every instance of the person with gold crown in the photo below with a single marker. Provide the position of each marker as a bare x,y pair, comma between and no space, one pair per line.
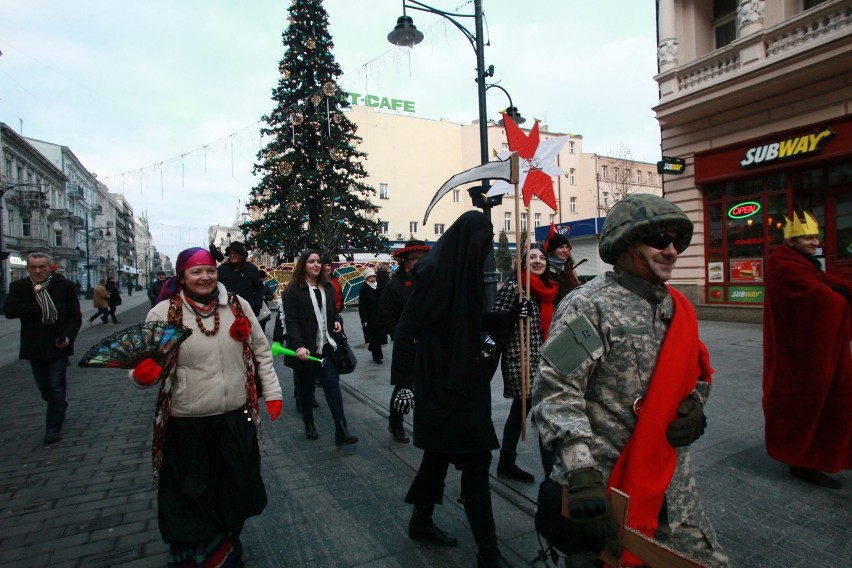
807,360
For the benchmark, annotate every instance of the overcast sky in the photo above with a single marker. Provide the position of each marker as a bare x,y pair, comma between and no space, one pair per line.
162,99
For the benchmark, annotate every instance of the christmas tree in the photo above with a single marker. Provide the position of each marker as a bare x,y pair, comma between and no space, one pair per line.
310,194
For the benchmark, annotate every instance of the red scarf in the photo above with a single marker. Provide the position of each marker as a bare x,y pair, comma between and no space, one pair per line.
544,293
647,463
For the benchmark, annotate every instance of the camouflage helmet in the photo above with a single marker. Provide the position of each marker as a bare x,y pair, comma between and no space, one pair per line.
638,216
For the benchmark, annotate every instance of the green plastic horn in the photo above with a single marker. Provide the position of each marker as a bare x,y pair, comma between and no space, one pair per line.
278,349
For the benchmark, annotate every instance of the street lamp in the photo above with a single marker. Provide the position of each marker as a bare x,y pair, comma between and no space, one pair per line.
511,111
406,35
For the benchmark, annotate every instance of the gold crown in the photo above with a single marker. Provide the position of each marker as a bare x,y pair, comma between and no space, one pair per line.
796,228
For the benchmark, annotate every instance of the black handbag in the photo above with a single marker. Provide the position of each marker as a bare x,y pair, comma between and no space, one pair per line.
344,358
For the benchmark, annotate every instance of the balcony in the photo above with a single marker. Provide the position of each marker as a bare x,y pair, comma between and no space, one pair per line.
79,222
56,214
76,193
806,35
97,209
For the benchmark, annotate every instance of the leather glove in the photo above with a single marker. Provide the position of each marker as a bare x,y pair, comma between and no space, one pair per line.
147,372
522,310
689,425
403,401
273,407
588,507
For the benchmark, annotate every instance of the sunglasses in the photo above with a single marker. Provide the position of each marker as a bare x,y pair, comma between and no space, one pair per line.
661,241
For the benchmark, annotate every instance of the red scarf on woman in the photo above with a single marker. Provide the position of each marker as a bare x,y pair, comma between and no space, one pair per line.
647,463
544,293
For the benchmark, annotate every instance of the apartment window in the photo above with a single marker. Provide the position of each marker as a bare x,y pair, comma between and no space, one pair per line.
605,196
638,176
572,177
724,22
627,175
456,196
383,191
507,221
505,147
650,178
603,172
573,205
552,217
615,173
537,220
26,227
412,227
439,228
570,146
57,238
383,227
524,221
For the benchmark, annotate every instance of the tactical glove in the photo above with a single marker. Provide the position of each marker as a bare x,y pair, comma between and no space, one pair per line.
588,507
689,425
403,401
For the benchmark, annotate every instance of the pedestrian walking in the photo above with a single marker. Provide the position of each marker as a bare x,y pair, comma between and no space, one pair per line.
156,287
368,311
621,390
242,277
392,303
807,360
445,317
114,298
49,310
205,443
100,301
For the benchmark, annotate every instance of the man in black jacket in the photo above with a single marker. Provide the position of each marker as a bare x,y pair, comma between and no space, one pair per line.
156,287
49,310
241,277
394,297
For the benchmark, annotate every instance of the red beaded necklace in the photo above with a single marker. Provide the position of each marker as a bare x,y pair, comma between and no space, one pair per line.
205,311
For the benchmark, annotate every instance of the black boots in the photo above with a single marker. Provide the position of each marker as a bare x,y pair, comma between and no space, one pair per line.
311,430
421,527
506,469
398,433
342,435
481,520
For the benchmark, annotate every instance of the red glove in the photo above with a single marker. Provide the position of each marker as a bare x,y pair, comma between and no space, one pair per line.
273,407
147,372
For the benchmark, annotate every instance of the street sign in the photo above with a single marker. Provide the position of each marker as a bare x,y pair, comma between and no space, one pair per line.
668,165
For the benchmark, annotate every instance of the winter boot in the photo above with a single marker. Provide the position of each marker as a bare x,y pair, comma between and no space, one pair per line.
506,469
311,430
421,527
342,435
481,520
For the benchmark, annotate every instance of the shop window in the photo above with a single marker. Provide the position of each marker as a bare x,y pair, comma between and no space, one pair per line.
808,193
744,187
776,209
843,208
776,182
745,237
840,175
714,226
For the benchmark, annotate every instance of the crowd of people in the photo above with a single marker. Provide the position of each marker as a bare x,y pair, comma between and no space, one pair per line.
613,373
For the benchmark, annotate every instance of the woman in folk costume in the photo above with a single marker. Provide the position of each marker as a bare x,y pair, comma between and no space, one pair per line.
543,290
205,449
311,319
446,317
368,310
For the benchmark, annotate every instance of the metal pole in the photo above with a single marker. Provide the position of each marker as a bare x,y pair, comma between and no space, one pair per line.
88,265
2,255
490,265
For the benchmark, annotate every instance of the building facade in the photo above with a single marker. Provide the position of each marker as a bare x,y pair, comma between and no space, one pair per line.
755,96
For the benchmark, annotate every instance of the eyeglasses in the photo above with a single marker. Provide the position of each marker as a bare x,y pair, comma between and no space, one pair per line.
661,241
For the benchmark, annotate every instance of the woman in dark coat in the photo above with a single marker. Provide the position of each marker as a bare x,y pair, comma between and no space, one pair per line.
368,309
446,317
114,298
312,320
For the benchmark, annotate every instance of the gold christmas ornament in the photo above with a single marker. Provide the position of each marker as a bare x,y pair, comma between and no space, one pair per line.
298,118
320,166
336,118
283,70
311,43
337,154
328,89
286,168
316,99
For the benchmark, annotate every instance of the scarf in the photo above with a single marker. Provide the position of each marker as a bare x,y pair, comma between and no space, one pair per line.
544,294
557,265
161,414
49,313
372,285
647,463
323,336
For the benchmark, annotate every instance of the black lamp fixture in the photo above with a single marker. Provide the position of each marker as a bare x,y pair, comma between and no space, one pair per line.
512,111
406,35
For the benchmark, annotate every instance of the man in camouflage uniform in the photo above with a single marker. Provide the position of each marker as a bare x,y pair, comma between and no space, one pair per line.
605,346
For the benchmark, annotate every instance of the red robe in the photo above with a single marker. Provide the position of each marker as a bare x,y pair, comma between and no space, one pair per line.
807,365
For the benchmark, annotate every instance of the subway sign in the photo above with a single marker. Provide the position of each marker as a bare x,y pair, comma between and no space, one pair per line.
793,147
376,101
743,210
668,165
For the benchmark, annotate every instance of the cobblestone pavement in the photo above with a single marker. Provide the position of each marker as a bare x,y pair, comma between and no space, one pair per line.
87,501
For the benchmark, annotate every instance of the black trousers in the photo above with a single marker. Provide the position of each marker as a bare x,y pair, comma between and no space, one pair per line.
428,485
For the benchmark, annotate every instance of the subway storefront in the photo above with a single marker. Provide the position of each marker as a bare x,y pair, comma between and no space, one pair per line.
747,190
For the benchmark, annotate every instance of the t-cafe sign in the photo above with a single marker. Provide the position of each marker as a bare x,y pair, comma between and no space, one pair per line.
793,147
376,101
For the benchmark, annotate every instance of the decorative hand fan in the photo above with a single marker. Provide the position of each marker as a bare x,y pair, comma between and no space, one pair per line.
127,348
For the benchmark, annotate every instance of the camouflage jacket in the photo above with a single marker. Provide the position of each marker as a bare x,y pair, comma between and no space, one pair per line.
584,394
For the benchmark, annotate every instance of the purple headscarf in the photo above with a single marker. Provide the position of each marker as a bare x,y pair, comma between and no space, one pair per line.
188,258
